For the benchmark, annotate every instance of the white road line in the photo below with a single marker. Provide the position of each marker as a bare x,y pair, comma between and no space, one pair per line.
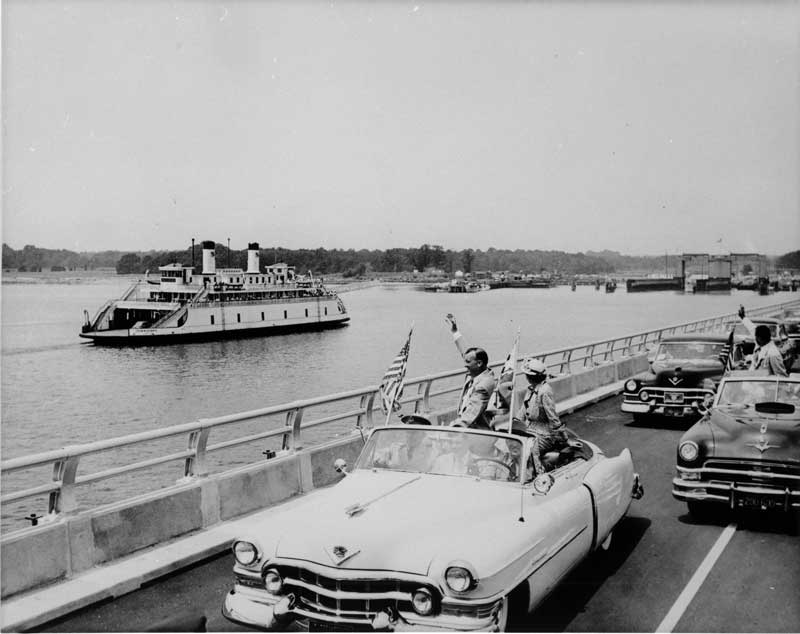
685,598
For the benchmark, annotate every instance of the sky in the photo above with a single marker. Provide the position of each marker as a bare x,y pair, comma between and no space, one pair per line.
641,127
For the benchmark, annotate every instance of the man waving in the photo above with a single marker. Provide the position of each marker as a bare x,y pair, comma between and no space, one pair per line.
478,386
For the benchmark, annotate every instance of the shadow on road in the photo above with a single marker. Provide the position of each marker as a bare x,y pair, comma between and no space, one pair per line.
770,521
673,423
570,597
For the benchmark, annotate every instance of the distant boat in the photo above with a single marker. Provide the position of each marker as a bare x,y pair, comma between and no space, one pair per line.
635,285
183,305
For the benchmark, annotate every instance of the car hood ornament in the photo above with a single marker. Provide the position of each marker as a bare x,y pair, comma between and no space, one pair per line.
762,445
340,554
675,380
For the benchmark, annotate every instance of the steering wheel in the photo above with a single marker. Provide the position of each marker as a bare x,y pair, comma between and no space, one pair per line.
500,463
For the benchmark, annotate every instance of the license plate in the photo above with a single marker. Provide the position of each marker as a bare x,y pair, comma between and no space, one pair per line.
670,397
758,502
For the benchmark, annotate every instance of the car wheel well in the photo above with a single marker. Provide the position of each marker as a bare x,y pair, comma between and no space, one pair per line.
518,601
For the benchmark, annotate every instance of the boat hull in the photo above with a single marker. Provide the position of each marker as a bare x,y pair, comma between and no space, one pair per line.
137,337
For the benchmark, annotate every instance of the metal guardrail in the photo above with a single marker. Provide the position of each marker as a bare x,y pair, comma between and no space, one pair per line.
62,488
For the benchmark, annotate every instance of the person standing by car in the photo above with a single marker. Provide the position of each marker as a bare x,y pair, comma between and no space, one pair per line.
538,411
478,386
766,356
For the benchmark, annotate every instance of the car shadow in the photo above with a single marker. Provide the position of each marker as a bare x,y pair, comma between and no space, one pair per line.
674,423
770,521
556,612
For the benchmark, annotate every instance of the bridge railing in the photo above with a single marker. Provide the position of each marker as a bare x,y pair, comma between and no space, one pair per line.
352,410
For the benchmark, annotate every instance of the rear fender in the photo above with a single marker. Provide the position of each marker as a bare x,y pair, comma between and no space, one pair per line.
611,482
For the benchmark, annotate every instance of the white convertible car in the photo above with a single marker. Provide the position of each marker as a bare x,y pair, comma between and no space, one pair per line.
434,528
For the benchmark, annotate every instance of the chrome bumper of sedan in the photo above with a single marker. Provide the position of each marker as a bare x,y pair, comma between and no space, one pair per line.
252,609
735,494
652,407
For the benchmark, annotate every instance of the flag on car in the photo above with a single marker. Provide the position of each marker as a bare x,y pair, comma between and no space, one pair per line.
726,354
507,373
392,383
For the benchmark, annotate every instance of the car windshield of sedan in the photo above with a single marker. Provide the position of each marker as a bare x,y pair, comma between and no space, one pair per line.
752,392
444,451
689,350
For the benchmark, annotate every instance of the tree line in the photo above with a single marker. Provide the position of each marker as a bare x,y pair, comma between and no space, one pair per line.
362,262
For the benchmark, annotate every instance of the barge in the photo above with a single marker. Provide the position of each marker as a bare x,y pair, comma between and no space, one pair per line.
183,305
635,285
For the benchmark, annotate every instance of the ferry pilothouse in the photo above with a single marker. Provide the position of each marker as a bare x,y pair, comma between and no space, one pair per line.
183,305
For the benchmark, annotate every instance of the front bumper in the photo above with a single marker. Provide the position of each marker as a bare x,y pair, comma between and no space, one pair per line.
651,407
260,610
735,494
666,401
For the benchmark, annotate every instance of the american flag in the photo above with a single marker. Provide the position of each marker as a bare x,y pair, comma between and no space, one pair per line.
392,382
726,354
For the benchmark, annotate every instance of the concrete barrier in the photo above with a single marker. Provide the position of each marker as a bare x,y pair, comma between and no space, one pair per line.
75,543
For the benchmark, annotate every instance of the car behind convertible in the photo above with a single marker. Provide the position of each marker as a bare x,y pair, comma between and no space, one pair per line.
745,451
684,372
434,528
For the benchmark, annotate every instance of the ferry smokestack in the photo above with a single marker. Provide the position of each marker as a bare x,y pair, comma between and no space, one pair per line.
209,259
252,257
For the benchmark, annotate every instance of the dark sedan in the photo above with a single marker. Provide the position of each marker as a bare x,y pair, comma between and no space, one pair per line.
684,372
745,451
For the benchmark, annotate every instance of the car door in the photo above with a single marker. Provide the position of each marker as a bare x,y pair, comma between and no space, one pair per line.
611,483
568,535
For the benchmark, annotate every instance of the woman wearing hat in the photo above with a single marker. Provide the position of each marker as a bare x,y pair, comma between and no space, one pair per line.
538,411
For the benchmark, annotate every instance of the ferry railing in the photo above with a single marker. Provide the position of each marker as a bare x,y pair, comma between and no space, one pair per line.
421,392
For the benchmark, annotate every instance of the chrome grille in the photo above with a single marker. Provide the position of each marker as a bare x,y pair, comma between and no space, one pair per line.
668,396
763,472
355,600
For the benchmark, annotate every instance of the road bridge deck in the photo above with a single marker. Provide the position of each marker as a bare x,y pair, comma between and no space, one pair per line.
638,586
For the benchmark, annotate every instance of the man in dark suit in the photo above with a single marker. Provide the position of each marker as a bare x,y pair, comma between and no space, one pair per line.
478,385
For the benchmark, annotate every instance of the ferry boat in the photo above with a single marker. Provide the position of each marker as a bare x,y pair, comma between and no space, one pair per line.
182,305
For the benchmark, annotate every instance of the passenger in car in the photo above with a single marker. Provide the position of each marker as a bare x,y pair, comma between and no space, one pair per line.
766,357
471,454
478,386
538,412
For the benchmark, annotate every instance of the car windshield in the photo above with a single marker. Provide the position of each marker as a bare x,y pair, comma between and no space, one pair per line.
689,350
443,451
752,392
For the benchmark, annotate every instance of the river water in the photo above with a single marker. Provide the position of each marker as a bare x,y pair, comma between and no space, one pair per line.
58,390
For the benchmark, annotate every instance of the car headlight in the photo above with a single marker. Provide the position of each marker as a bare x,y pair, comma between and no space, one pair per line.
246,553
422,602
644,395
630,385
458,579
273,581
688,451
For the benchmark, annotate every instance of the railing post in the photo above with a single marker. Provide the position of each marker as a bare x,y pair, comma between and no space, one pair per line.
609,353
627,347
196,464
367,403
65,499
589,358
291,437
565,362
425,389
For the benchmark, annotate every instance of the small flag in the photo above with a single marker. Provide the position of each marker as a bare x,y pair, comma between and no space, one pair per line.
392,382
506,374
726,354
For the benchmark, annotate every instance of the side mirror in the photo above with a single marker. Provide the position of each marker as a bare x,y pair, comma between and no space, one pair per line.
340,465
